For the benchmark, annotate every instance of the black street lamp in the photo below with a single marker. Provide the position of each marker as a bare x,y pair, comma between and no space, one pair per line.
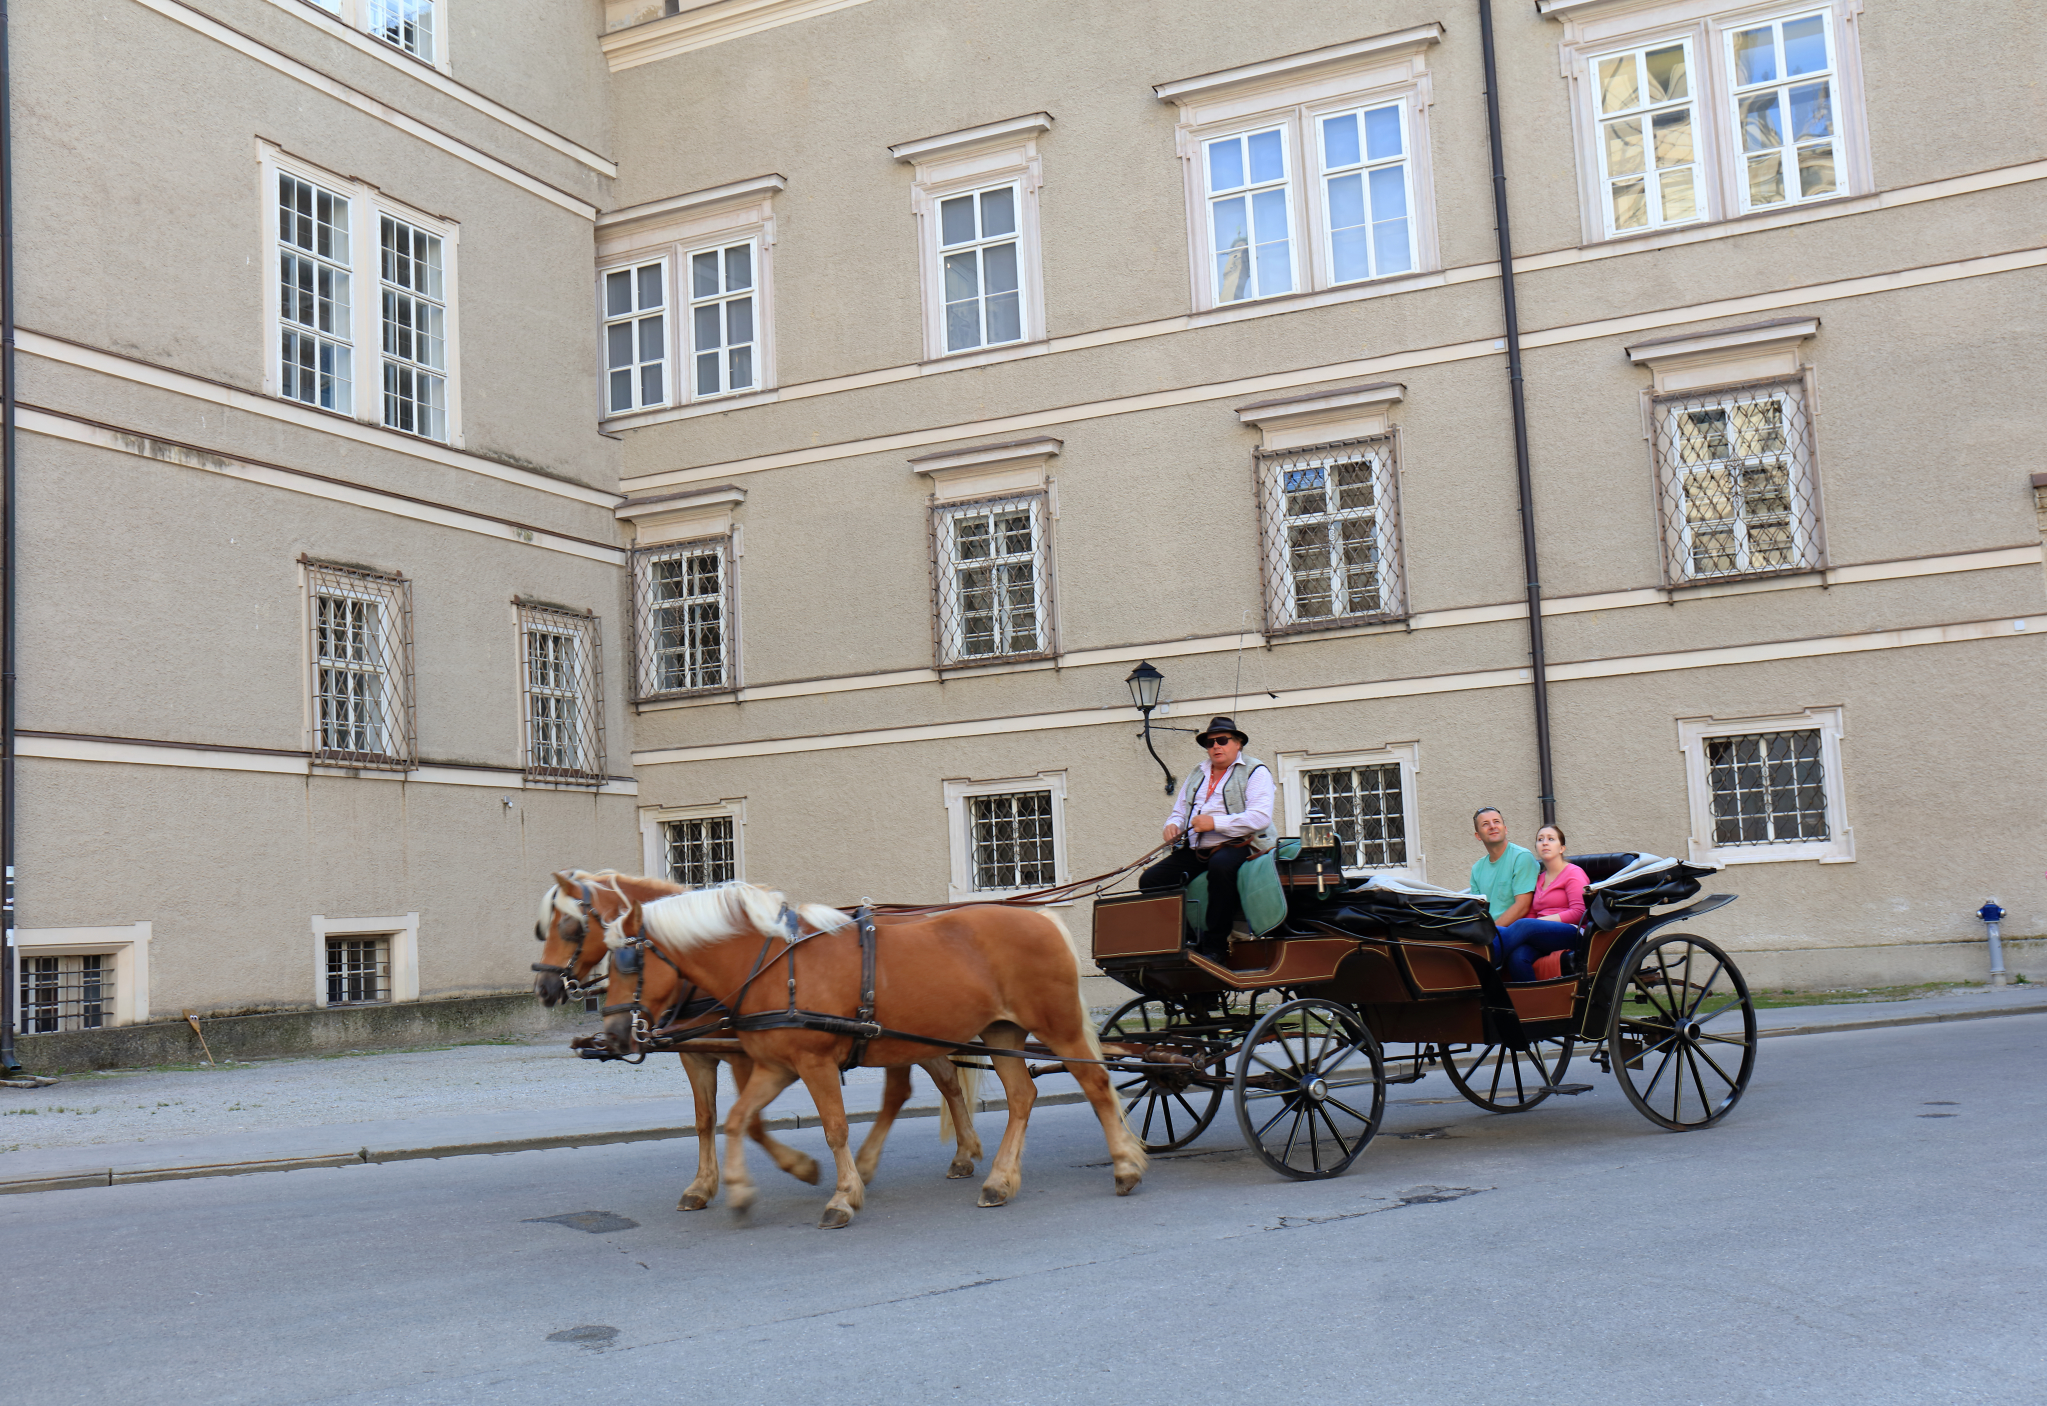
1145,682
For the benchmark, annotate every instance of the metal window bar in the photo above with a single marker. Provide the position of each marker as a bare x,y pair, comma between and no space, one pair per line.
1737,491
1769,788
358,971
701,851
992,578
1331,528
1012,840
1364,806
66,993
560,681
684,614
361,661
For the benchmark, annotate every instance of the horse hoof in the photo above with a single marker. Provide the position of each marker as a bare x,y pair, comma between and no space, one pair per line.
835,1218
1127,1184
992,1198
692,1202
962,1168
805,1171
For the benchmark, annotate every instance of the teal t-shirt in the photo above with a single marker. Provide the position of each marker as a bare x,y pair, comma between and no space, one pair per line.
1506,879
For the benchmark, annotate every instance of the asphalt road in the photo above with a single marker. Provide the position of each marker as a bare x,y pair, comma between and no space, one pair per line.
1864,1229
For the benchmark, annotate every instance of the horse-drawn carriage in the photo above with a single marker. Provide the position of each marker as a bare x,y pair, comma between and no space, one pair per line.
1294,1026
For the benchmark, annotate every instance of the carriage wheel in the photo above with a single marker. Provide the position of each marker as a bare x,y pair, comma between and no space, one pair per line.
1310,1087
1503,1080
1166,1109
1674,1070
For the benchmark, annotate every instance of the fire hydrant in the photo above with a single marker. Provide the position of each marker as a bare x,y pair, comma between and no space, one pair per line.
1992,915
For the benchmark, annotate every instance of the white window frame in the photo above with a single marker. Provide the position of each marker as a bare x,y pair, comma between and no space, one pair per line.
1788,146
362,15
646,680
654,821
1281,605
634,320
687,302
127,944
1294,95
1829,722
671,233
1600,29
960,828
1294,766
367,208
400,932
965,163
1644,113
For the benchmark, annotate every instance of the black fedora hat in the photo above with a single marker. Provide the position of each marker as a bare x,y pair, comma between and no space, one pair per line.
1222,725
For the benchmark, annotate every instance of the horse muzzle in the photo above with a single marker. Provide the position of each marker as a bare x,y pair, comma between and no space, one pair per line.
549,986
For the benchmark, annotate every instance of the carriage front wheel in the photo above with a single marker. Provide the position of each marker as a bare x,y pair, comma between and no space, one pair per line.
1310,1088
1682,1032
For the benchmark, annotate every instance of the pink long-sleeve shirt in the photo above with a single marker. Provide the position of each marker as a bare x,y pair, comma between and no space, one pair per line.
1562,899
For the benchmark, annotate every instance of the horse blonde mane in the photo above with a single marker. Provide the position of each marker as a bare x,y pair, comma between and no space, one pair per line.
702,916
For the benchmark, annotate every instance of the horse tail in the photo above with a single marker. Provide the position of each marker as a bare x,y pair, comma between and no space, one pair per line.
970,1083
1087,1020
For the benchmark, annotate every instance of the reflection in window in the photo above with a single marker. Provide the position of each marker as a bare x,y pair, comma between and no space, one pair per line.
1248,215
1648,147
1364,164
1784,111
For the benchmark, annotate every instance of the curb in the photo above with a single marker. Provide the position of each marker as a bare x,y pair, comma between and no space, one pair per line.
113,1176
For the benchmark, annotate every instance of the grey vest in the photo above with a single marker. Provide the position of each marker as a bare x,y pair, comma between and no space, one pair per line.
1235,786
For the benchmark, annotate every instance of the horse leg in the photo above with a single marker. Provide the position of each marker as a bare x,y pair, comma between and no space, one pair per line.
800,1165
754,1095
1006,1174
703,1083
953,1087
1126,1153
821,1077
895,1092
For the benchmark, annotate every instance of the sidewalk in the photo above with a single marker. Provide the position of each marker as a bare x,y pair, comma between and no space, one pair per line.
275,1115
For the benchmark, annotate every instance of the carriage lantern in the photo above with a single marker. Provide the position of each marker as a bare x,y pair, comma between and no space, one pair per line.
1145,683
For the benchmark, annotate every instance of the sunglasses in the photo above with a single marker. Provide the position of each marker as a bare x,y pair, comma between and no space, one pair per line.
1216,742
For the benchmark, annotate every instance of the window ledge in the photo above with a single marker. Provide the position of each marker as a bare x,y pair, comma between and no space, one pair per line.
1753,336
662,701
988,133
1296,66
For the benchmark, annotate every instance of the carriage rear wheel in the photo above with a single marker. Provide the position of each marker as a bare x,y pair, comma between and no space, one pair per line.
1310,1088
1682,1032
1503,1080
1166,1108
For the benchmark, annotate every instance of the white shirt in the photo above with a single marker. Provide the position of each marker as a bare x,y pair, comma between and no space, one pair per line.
1208,793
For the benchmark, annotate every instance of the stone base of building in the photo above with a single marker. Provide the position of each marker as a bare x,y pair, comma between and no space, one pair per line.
300,1032
1900,964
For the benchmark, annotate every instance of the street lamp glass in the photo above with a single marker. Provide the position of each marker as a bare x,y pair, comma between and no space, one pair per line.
1144,684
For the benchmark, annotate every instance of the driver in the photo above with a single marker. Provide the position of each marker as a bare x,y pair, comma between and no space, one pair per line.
1230,801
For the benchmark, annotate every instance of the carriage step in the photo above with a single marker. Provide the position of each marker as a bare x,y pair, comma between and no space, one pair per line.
1565,1088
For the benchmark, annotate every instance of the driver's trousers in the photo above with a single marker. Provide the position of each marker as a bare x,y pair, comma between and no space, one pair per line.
1220,863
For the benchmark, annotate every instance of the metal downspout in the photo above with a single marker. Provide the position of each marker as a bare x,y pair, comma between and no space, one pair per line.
10,993
1538,664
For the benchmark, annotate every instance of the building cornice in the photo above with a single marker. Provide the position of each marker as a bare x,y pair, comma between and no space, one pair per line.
1293,66
701,26
988,133
1754,336
696,202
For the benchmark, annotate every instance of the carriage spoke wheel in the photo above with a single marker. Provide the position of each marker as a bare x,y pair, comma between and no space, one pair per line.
1310,1088
1682,1033
1503,1080
1165,1108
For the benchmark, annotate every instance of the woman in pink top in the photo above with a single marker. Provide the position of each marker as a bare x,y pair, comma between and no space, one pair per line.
1559,907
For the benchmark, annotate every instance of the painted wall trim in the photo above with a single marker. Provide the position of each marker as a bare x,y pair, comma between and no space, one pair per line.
695,202
701,26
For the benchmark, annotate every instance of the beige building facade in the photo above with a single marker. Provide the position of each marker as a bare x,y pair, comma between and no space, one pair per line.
772,431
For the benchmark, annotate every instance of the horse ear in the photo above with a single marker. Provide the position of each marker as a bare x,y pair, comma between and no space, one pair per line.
565,882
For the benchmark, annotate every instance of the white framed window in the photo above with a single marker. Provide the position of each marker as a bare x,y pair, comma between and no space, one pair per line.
1767,789
993,559
695,845
723,330
1309,172
1331,514
635,337
360,661
410,26
1736,481
1368,797
363,303
1008,836
684,618
81,978
365,961
1696,110
561,694
974,198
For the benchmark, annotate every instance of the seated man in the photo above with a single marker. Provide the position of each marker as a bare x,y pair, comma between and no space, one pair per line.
1506,874
1226,806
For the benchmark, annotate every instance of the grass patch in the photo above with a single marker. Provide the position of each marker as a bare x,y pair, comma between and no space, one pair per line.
1854,996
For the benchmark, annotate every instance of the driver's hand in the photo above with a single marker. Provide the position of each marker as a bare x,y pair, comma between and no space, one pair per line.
1172,833
1204,823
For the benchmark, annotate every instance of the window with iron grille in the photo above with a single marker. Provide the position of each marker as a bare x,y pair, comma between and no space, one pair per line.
994,596
684,618
1011,840
1363,804
358,970
560,681
361,657
1332,534
415,330
67,993
701,850
1739,494
1768,788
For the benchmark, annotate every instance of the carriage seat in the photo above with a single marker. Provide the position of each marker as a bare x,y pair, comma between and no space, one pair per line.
1598,867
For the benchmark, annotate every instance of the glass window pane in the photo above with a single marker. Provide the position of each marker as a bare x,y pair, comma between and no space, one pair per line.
1666,70
1268,161
738,267
651,392
1390,241
1232,224
1673,137
1389,193
1630,205
707,373
1812,114
1624,147
1755,56
738,321
1760,129
650,286
1816,170
1340,141
621,390
742,367
1619,89
703,275
1765,179
1680,195
706,327
1275,269
1005,318
1268,215
998,268
650,338
1347,201
1347,258
998,212
962,326
619,337
1226,164
618,293
956,220
1382,133
1805,45
962,276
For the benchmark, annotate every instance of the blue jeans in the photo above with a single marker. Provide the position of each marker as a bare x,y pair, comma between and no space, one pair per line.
1520,943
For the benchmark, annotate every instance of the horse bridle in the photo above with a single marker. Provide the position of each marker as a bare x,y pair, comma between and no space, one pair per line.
570,984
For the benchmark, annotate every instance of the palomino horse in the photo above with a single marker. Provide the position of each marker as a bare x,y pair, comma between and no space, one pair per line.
983,971
571,952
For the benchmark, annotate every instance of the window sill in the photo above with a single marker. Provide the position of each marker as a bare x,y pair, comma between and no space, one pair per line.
1001,663
657,702
999,351
1838,851
1794,210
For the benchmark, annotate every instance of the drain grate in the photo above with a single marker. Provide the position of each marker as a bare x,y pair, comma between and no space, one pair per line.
596,1222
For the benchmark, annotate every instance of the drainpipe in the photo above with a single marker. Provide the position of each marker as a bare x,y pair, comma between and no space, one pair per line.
1538,664
10,976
